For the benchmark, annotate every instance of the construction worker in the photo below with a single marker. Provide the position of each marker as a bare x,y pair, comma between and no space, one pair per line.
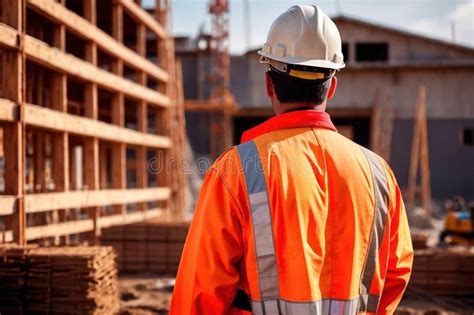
297,219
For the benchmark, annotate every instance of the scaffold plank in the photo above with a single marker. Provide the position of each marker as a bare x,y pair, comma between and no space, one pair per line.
142,16
81,199
51,119
59,229
7,205
8,110
118,219
89,31
51,57
8,36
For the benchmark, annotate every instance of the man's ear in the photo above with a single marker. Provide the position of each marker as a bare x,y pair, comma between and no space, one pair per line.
269,85
332,88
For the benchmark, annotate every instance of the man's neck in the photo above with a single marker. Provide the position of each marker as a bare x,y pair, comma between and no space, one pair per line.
291,107
294,109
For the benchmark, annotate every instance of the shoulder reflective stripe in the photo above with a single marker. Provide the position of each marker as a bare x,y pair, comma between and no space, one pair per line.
319,307
262,224
381,196
252,167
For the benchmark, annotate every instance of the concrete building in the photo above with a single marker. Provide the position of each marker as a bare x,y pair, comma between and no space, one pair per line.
385,67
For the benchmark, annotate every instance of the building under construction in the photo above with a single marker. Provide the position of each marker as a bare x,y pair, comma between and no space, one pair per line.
375,100
87,109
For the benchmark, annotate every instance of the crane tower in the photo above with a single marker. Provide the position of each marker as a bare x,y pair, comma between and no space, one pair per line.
220,97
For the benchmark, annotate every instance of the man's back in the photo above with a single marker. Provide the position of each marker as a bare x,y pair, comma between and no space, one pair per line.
336,215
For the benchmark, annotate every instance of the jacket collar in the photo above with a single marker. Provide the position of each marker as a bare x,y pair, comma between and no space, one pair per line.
296,119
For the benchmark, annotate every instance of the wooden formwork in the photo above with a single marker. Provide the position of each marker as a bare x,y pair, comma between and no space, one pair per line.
86,110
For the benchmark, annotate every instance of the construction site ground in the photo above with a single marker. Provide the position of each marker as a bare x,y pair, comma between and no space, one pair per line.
143,294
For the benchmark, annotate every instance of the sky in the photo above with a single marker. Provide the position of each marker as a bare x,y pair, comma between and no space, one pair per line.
433,18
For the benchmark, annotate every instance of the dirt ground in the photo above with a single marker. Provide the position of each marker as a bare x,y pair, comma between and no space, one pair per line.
417,302
147,294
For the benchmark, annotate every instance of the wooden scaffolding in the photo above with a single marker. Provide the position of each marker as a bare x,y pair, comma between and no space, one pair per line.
86,112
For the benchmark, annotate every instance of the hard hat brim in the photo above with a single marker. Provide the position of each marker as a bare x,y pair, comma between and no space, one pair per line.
302,61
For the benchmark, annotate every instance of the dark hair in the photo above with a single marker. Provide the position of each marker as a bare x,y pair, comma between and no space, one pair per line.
290,89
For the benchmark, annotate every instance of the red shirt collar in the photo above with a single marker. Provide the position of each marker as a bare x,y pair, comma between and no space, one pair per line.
296,119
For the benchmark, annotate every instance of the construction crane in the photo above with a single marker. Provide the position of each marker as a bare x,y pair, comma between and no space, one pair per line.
219,103
220,97
219,10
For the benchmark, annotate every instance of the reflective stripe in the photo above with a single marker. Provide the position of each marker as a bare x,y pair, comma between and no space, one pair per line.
262,226
340,307
368,302
319,307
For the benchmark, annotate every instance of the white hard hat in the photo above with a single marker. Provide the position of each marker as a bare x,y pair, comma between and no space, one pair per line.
305,36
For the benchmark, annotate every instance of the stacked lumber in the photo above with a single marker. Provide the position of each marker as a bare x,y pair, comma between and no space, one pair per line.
65,280
151,246
12,278
444,271
419,240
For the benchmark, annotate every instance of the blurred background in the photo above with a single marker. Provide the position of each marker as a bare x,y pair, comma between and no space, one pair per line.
112,111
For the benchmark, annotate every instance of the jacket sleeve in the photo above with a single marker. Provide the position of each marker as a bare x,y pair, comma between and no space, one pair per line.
208,275
400,258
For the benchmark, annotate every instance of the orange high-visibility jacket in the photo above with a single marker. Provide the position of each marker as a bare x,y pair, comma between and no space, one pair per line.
302,221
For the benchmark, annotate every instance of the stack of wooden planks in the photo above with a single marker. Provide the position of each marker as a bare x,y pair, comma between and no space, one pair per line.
444,271
12,278
152,246
419,240
58,280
